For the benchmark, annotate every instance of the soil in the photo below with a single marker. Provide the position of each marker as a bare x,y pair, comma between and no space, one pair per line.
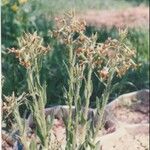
129,17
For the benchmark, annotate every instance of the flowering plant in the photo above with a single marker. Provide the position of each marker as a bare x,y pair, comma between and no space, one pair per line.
85,58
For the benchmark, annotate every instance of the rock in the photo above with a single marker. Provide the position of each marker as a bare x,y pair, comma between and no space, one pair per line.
127,138
131,108
132,114
126,122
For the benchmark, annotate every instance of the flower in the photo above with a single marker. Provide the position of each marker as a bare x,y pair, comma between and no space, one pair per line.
30,50
113,53
22,1
5,2
15,8
10,103
104,73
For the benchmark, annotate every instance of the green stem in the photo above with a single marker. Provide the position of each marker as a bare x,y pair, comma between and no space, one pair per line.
70,99
76,99
88,88
38,103
105,98
89,93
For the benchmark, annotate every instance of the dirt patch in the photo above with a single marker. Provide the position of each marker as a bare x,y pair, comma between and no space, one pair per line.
130,17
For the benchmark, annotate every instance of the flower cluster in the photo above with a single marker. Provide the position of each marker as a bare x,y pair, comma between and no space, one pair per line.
31,48
117,56
70,31
111,55
67,27
11,102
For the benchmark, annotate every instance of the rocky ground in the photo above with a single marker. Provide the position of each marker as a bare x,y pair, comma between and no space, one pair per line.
130,113
129,131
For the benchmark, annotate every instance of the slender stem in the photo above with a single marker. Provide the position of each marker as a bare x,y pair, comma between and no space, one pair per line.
38,102
76,99
70,98
88,89
89,92
105,98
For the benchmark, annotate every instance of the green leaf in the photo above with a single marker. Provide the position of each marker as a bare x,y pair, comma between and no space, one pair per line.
92,146
97,146
50,120
33,145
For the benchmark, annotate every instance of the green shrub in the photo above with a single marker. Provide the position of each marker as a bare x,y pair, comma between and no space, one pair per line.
138,2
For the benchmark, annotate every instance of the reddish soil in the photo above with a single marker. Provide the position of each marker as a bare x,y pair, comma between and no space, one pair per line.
129,17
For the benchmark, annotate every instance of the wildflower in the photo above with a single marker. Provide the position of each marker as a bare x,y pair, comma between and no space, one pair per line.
31,48
26,64
82,38
15,8
55,33
11,102
104,73
22,1
112,53
79,50
5,2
